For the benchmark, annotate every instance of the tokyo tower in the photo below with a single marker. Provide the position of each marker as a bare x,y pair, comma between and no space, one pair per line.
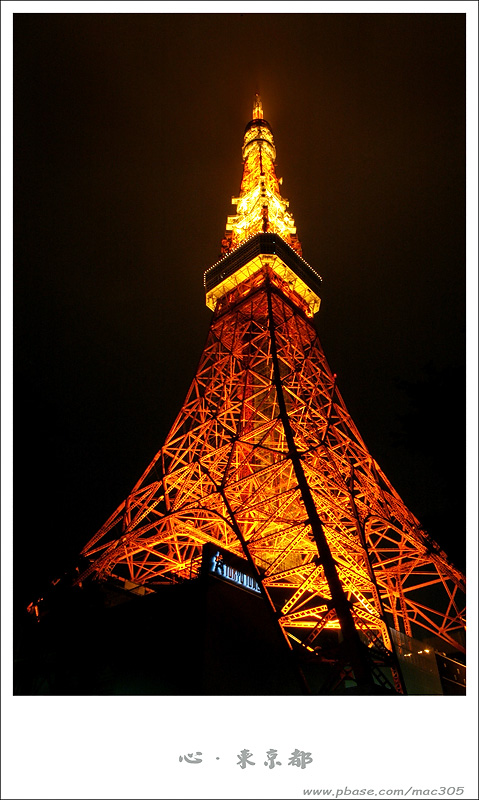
265,481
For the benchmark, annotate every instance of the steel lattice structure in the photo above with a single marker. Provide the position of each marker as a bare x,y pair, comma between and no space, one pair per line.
265,462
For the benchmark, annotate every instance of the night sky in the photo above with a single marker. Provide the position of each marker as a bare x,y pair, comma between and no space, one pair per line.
128,131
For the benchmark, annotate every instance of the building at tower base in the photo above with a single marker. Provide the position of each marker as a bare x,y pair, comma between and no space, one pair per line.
103,639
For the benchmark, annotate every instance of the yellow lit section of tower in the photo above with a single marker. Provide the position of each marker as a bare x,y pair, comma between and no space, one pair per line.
260,208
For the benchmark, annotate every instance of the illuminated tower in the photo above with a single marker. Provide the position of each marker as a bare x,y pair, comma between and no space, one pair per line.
265,464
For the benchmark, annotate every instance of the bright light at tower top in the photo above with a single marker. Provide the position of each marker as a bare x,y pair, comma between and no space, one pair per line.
257,107
260,207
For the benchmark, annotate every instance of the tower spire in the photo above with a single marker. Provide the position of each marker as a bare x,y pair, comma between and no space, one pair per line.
260,208
257,107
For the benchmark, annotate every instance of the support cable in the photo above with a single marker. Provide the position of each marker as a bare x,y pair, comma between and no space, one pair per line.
353,645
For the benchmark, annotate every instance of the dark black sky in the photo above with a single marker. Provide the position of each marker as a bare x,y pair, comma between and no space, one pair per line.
128,133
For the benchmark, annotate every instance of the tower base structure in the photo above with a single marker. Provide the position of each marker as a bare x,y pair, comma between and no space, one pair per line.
217,640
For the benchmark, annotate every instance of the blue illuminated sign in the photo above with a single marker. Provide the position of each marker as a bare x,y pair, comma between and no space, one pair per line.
223,570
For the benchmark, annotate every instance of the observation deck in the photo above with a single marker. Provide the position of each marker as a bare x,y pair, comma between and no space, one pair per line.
258,252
